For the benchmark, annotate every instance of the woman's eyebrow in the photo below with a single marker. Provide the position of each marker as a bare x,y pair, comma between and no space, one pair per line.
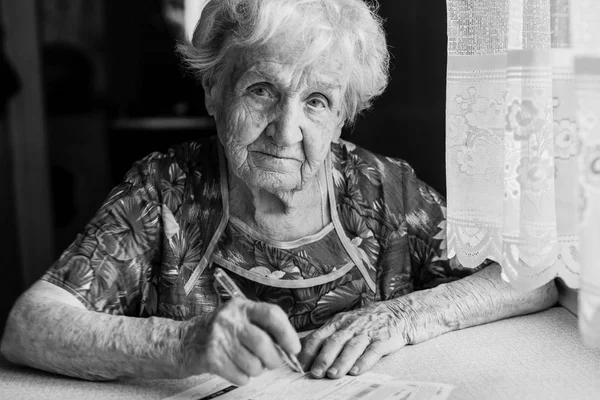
327,87
252,75
328,84
324,81
263,70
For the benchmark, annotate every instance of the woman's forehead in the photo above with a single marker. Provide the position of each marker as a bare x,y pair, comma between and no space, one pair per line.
278,60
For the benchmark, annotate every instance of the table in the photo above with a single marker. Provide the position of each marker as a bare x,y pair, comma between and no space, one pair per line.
538,356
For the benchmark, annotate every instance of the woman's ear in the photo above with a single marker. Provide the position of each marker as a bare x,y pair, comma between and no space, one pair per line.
338,131
210,101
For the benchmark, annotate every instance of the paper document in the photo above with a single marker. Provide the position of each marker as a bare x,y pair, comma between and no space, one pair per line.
283,383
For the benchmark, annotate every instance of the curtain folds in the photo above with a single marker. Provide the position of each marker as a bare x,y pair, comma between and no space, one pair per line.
523,143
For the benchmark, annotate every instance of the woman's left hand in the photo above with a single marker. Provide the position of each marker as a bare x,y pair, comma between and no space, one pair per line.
352,342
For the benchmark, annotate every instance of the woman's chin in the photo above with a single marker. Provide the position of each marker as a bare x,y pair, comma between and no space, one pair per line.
273,181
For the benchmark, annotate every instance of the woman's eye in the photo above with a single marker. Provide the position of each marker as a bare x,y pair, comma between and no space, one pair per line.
260,91
318,102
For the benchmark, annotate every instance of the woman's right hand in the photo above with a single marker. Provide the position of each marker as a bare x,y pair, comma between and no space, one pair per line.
237,341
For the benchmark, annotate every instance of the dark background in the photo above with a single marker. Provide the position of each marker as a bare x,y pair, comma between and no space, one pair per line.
106,83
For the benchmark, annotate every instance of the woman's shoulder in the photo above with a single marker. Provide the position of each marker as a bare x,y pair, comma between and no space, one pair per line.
371,177
347,154
197,157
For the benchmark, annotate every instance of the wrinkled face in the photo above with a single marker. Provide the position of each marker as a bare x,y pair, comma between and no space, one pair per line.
276,118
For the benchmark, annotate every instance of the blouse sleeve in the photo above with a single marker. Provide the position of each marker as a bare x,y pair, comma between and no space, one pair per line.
425,213
106,265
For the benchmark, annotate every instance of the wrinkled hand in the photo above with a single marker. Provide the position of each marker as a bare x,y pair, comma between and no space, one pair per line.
352,342
237,341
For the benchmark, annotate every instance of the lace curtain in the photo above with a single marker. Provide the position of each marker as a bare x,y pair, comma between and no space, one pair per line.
523,143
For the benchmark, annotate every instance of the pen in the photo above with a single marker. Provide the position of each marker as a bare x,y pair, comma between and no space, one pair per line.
234,291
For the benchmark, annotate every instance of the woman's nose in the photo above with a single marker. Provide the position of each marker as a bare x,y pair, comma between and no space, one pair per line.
286,128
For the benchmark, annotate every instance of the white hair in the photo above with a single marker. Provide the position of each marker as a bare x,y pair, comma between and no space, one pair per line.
348,29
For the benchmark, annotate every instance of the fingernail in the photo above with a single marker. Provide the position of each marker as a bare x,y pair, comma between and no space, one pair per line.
332,373
354,370
317,372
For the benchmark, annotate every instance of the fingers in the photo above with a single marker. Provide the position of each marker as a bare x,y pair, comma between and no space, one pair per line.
369,358
233,374
274,321
352,351
261,345
246,362
342,354
312,343
329,352
223,361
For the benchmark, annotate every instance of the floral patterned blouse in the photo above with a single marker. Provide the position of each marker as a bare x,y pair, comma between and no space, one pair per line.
152,247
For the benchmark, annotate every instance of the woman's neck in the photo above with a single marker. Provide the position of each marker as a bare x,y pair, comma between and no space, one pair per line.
281,216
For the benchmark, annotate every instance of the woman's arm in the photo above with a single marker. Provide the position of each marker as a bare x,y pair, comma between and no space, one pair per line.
474,300
354,341
50,329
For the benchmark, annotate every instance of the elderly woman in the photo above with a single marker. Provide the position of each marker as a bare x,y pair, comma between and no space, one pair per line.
318,233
